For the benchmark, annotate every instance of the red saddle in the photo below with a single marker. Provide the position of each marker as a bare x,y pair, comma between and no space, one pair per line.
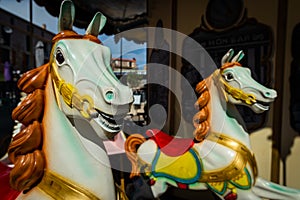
168,144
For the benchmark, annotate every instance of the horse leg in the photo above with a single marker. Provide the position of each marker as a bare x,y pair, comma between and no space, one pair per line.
139,189
247,195
269,190
159,187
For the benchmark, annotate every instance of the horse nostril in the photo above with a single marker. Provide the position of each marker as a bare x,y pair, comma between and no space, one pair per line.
270,94
109,96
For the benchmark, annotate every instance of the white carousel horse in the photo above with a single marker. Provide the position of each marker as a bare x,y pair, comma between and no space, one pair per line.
74,103
220,157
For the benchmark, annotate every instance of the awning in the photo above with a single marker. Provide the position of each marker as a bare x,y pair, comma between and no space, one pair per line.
121,14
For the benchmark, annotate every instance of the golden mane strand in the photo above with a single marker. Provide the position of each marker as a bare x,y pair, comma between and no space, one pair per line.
201,118
25,150
131,145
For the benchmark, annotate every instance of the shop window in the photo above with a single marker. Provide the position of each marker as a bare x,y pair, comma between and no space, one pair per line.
12,21
5,35
130,67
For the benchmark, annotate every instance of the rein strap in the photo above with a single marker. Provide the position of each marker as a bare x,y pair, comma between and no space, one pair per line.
84,104
238,94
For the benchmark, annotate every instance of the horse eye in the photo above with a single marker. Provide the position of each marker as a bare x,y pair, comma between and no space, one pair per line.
59,57
229,76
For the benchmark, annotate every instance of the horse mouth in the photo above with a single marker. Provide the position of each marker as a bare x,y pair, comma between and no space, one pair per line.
263,106
110,123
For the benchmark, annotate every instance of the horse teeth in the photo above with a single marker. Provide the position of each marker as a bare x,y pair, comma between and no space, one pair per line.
102,118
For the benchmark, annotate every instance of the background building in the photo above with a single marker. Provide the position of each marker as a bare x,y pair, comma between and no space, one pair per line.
19,41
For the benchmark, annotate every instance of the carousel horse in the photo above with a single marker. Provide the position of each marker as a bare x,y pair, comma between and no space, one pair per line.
73,104
219,157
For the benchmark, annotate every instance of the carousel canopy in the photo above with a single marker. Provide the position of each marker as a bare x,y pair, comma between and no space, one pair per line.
121,14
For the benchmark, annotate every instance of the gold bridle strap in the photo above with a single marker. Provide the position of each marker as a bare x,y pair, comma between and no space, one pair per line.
238,94
60,188
84,104
243,156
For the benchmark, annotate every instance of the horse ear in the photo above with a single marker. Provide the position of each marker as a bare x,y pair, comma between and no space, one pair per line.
66,16
226,58
96,24
238,57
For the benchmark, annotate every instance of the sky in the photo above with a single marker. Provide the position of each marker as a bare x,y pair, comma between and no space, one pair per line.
40,16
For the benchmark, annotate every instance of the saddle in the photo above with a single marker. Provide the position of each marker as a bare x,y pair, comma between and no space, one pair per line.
168,144
175,159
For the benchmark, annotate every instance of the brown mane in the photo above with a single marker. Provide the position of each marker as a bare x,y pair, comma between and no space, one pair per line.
201,118
25,150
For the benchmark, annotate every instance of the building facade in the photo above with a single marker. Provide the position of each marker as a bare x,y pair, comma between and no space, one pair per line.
18,41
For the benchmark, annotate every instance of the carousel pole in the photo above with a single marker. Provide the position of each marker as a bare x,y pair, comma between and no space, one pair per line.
279,80
122,179
171,114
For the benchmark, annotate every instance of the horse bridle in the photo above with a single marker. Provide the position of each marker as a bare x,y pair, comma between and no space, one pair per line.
84,104
236,93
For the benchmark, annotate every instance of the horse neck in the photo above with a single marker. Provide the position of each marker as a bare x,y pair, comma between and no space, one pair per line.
225,118
72,156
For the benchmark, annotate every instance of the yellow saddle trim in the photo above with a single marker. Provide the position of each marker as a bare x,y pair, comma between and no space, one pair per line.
185,168
236,167
242,181
60,188
218,187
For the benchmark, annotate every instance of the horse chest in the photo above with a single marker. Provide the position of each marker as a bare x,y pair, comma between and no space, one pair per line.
213,155
73,157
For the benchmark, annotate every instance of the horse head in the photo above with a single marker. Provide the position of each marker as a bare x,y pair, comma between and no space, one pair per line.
84,82
77,84
240,88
